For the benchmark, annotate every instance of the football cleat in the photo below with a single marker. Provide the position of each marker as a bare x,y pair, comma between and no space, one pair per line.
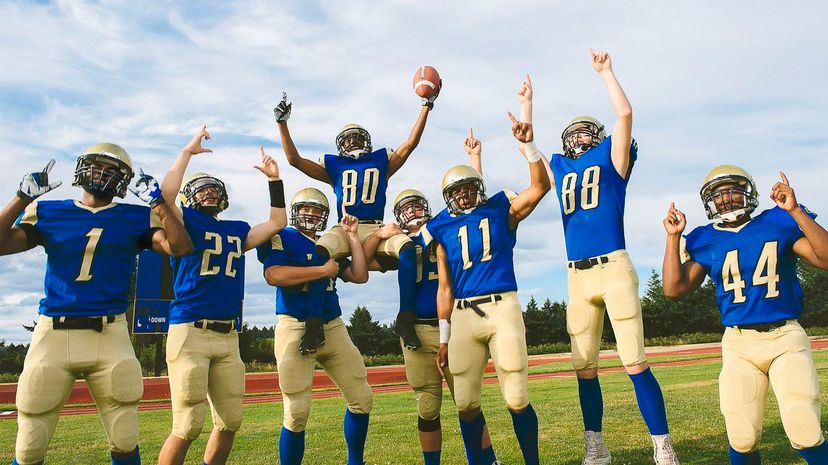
728,193
404,328
663,453
309,219
595,451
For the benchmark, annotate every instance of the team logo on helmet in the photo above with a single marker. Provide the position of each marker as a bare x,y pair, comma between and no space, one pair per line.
309,210
204,192
353,141
572,136
411,209
729,193
463,189
104,169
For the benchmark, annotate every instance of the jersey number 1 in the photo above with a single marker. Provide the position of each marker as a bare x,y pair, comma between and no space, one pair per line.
463,235
764,275
94,236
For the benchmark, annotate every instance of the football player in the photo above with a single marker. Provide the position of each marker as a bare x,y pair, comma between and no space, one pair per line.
289,265
479,312
752,261
359,176
590,179
90,247
412,212
203,357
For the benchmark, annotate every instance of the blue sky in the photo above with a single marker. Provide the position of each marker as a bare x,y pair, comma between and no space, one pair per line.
710,82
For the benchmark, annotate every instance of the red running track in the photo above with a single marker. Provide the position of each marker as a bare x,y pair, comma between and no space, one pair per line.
264,387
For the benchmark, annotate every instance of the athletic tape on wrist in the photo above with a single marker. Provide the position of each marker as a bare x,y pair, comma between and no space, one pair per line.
531,151
445,331
277,193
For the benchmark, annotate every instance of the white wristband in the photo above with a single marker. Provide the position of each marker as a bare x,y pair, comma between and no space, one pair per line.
531,151
445,331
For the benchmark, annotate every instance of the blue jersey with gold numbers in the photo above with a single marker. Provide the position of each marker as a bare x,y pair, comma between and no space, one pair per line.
591,195
752,266
479,247
425,303
209,282
90,254
292,248
359,183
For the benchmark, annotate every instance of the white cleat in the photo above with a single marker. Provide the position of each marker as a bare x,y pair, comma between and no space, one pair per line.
595,451
663,453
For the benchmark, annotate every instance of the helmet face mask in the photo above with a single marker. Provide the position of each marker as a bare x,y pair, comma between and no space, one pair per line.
576,137
412,212
309,210
463,189
104,170
729,194
205,193
353,141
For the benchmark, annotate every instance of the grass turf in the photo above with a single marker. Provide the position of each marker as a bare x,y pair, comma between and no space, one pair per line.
690,391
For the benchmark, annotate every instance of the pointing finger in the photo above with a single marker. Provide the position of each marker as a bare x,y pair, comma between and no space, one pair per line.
784,179
512,117
471,133
528,80
49,166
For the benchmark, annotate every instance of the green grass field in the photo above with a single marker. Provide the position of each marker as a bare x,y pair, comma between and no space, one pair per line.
690,391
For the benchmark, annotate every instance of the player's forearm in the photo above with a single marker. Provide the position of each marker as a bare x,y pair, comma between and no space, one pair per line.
287,276
526,111
369,247
673,280
177,237
620,104
477,162
816,235
291,153
359,265
171,184
405,149
8,215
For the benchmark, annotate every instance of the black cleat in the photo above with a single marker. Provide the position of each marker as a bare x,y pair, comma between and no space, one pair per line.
404,328
314,336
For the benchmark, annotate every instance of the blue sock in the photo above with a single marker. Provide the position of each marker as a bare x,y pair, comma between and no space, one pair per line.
134,459
407,279
592,403
738,458
650,402
815,455
489,455
431,458
356,430
14,461
472,432
526,430
291,447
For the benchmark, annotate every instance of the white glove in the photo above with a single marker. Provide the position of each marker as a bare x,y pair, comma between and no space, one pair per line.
147,189
282,110
429,102
34,185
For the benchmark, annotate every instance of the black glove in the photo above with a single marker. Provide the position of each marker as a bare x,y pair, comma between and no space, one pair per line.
314,336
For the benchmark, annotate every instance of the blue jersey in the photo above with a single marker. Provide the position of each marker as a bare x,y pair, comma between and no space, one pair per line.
591,194
292,248
359,183
753,267
90,254
479,247
425,303
209,282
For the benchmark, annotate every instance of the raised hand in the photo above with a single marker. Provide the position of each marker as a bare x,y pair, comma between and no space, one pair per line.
600,61
783,194
472,145
194,146
268,166
331,268
147,189
429,102
282,110
36,184
675,222
522,131
388,231
524,92
349,223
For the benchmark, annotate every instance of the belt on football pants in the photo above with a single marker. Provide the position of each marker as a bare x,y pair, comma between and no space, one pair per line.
763,327
474,303
81,322
216,326
427,321
588,263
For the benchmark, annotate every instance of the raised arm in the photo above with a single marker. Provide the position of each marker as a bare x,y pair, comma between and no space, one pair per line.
622,132
278,218
445,305
171,185
678,280
309,167
358,271
813,246
400,155
527,200
370,245
173,239
474,148
14,239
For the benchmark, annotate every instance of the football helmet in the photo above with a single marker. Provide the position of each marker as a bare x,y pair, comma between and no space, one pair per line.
580,125
407,218
728,204
353,141
104,169
213,204
309,197
463,189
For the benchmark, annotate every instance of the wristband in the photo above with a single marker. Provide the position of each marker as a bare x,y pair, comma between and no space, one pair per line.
445,331
157,201
531,151
277,193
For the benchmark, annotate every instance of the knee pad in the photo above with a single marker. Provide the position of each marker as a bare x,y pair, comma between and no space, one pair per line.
126,380
364,404
428,426
38,390
429,404
296,413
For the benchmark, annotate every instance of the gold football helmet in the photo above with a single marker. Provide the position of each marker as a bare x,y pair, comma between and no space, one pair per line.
580,125
463,189
104,169
408,217
353,141
729,193
217,202
309,197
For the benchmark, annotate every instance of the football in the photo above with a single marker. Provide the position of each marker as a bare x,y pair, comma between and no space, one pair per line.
425,81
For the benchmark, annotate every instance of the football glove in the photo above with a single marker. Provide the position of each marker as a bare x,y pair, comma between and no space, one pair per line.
429,102
34,185
147,189
282,110
314,336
